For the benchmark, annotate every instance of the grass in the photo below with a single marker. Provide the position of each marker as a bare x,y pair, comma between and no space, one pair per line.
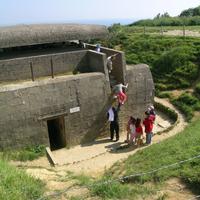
122,191
197,88
28,153
187,103
16,185
174,61
177,148
79,179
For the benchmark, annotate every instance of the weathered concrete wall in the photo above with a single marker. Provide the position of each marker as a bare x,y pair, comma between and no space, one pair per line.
28,105
119,64
97,62
19,68
140,93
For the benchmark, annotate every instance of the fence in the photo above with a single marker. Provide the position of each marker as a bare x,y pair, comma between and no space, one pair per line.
183,31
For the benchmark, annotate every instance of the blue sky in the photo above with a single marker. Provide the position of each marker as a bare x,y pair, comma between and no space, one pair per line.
47,11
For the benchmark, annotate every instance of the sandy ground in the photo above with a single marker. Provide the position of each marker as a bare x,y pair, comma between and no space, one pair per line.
94,158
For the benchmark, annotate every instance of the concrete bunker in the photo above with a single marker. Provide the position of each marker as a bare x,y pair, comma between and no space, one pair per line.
44,103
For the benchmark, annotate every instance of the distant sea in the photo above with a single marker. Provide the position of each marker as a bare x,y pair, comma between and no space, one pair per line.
106,22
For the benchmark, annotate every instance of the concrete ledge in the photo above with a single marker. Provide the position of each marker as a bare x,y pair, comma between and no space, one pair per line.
51,157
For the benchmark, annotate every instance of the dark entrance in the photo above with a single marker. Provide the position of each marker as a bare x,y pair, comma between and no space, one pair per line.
56,129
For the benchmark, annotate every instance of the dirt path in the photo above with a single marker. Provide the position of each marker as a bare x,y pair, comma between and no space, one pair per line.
93,159
181,33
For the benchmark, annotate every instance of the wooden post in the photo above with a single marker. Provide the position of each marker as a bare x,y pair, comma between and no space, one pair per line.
161,30
144,30
52,72
32,74
183,30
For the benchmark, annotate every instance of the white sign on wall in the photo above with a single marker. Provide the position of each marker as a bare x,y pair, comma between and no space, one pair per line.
75,109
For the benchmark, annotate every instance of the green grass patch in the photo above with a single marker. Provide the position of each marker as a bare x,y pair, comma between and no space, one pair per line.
197,88
169,112
187,103
117,190
174,61
16,185
79,179
28,153
163,94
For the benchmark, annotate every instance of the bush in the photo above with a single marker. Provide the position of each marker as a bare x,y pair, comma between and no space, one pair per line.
174,61
164,95
169,21
187,104
197,89
171,113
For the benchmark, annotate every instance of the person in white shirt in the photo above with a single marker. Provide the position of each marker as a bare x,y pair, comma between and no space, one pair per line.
110,62
98,48
112,116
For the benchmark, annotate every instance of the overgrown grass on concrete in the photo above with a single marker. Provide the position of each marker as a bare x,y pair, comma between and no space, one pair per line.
180,147
16,185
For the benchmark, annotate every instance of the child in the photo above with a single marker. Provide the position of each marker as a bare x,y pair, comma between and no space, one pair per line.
139,132
151,110
130,129
148,124
118,91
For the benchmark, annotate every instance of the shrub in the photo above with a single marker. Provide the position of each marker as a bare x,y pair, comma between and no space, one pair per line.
187,104
164,95
197,89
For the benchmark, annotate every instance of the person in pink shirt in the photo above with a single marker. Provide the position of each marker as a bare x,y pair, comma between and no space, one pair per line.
119,93
148,124
138,132
130,130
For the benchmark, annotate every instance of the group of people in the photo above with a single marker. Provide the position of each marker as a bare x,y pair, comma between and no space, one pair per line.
112,114
135,126
135,133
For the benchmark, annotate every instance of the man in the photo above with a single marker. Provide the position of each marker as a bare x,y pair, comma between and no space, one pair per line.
98,48
113,118
110,62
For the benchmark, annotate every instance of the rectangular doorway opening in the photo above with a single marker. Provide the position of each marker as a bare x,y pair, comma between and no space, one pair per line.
56,130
